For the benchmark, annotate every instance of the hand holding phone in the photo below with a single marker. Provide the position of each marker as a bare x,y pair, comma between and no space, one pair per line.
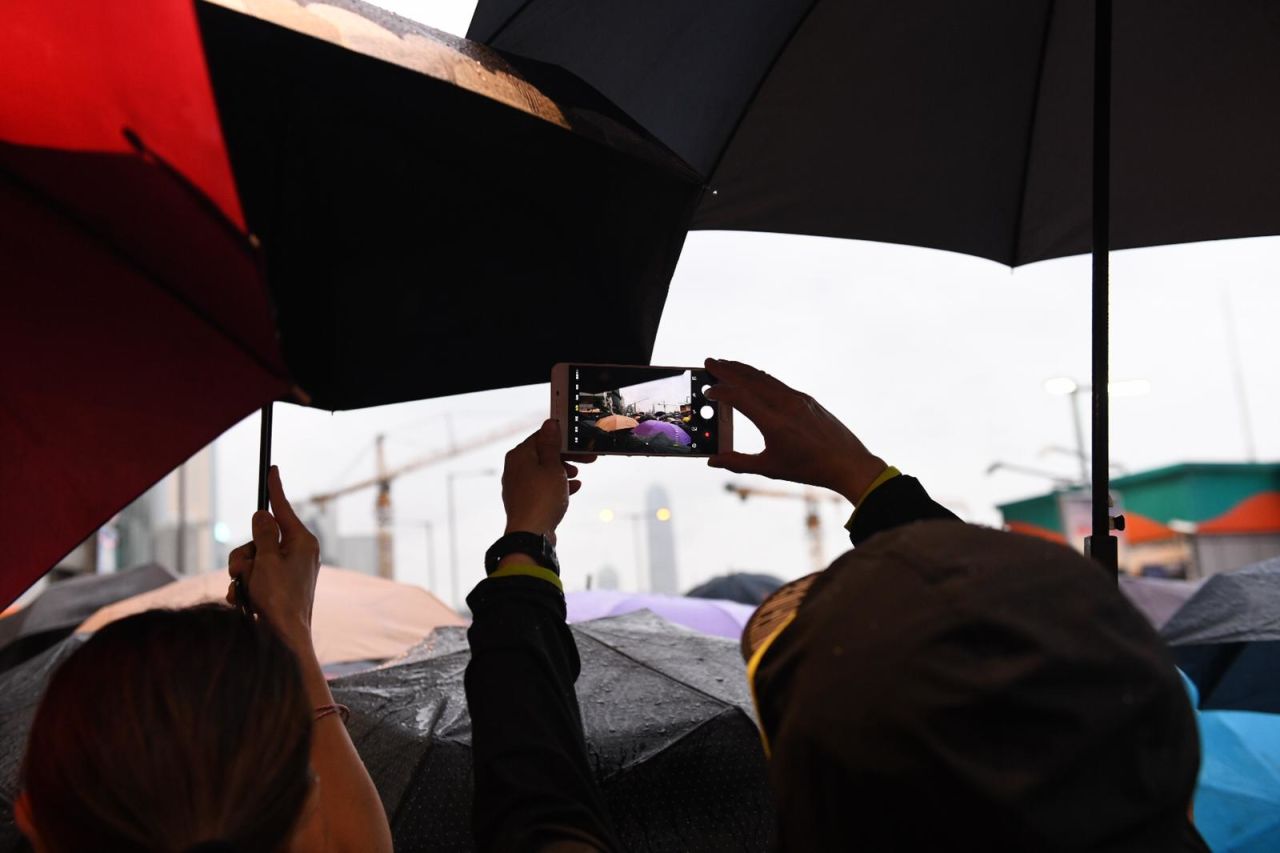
804,443
637,410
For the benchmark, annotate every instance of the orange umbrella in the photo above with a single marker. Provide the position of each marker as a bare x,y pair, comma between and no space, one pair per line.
613,423
356,617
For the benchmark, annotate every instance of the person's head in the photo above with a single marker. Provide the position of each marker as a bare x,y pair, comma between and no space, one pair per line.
168,730
953,688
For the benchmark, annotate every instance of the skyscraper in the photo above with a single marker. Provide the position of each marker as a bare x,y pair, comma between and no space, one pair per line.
663,576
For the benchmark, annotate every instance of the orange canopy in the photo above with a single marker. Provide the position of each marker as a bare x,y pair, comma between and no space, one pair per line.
356,616
1257,514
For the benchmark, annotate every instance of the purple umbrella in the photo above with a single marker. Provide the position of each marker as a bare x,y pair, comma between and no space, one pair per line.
718,618
655,428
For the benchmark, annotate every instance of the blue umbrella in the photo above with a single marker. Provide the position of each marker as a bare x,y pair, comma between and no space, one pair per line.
1237,800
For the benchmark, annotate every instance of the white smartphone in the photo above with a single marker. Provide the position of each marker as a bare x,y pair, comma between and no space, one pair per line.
638,410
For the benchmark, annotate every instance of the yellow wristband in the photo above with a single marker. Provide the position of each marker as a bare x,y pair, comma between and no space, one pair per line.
518,569
885,476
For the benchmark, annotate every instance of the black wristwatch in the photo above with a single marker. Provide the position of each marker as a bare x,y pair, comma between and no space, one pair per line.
520,542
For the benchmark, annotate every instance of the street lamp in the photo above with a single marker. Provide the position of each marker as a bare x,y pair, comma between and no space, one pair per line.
430,529
449,479
1061,386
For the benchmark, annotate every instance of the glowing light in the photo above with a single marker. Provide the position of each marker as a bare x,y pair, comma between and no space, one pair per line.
606,515
1061,386
663,514
221,532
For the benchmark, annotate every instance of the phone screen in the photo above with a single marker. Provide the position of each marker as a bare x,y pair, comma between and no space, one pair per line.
654,411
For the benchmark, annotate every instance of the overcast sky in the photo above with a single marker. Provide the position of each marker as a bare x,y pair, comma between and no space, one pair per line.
936,360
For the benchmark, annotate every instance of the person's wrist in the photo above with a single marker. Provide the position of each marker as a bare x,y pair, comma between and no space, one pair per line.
861,473
541,528
295,631
517,559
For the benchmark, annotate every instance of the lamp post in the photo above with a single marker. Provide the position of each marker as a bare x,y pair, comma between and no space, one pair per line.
430,529
1066,386
453,526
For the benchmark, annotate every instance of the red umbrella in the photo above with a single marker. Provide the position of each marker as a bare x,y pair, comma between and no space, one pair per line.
135,321
181,183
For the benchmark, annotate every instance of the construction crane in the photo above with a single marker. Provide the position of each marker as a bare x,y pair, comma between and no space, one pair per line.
812,521
384,476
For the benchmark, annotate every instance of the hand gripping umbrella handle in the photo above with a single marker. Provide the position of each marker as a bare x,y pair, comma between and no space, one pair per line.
264,465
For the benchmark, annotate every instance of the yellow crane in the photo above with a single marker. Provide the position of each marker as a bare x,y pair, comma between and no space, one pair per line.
812,520
384,476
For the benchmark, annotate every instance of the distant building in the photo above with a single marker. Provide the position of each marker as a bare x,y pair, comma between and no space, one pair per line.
664,578
607,578
1190,520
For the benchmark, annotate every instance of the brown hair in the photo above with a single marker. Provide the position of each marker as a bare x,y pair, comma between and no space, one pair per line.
168,729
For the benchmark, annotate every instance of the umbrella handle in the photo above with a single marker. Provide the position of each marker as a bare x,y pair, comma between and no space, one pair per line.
264,466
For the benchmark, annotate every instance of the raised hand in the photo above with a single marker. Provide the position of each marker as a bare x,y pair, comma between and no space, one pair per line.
280,565
804,443
537,482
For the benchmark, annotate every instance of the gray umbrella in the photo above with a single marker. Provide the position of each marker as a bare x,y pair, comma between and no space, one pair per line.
668,717
57,611
669,725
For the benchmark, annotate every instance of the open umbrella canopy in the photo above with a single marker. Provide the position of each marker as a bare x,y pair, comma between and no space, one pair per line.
958,126
203,209
1226,638
668,718
613,423
718,618
57,611
356,617
669,729
655,429
747,587
1157,598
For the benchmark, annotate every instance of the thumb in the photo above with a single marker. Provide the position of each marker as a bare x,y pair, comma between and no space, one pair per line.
547,442
739,463
266,533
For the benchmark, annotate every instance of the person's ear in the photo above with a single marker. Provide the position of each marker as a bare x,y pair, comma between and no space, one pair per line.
26,824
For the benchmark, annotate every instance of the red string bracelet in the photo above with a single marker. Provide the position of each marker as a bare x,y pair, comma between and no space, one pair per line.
328,710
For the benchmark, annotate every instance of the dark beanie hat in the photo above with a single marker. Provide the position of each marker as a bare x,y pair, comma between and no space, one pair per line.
952,688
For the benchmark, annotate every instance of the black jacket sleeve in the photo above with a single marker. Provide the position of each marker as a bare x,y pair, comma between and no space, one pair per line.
533,781
894,503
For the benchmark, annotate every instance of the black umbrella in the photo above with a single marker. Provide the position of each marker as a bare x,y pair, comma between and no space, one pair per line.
204,210
668,718
669,726
744,587
1226,638
972,127
58,610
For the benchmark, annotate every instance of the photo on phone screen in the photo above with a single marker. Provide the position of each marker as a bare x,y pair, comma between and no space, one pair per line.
650,411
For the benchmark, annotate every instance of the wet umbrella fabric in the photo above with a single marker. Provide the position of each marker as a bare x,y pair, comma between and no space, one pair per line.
1157,598
667,713
57,611
1226,638
662,429
745,587
717,618
203,210
668,723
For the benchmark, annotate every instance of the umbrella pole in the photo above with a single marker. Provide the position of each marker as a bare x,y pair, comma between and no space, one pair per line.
264,465
1102,546
264,456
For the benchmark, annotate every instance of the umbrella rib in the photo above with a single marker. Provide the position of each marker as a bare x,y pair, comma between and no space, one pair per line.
1031,133
657,671
503,26
755,91
63,211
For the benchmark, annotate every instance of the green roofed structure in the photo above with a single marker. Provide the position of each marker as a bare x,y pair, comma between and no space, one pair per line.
1190,520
